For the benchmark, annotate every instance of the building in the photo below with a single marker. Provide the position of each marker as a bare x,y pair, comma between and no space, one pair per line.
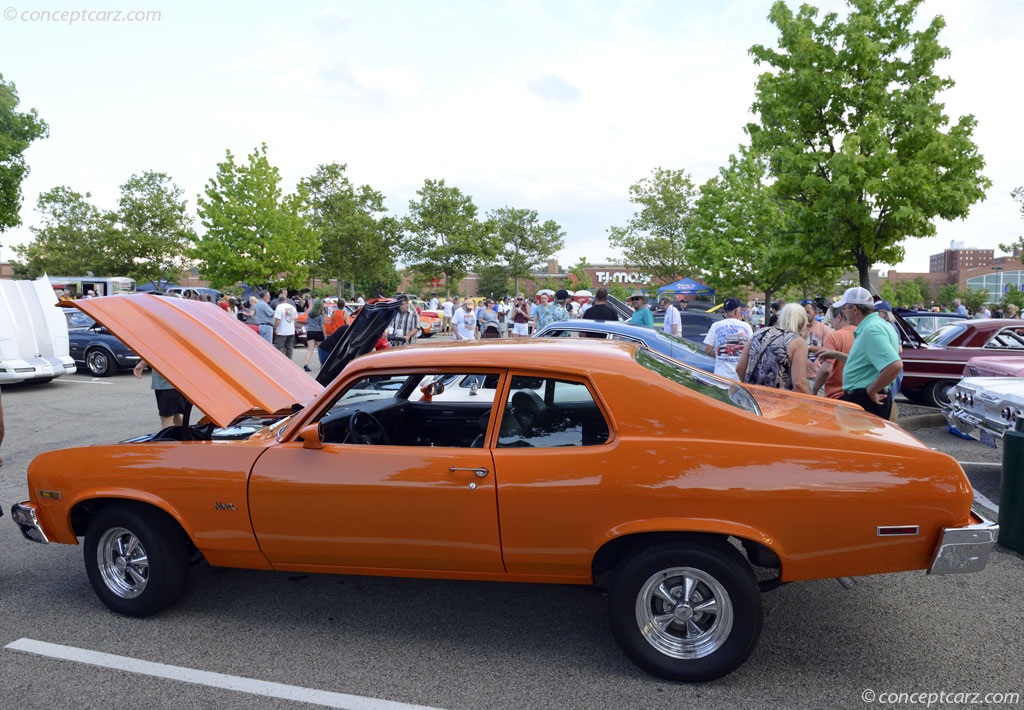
958,258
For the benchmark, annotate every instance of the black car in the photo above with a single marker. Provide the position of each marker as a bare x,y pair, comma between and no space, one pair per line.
696,323
94,349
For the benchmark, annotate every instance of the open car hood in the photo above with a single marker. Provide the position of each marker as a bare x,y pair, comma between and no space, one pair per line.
220,365
359,338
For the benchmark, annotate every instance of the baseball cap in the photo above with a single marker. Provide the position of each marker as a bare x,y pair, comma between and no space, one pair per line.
856,296
883,306
731,304
561,294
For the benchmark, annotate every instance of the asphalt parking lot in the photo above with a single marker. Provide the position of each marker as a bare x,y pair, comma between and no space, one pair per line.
242,639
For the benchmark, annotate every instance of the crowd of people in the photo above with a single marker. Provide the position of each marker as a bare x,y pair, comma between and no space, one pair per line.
848,349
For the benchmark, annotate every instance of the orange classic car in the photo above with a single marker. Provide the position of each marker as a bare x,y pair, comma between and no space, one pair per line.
588,462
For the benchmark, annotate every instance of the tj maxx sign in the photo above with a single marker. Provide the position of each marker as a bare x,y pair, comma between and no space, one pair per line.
620,277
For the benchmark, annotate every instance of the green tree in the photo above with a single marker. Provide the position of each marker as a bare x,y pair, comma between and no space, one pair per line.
527,243
17,131
73,239
901,294
947,294
253,232
742,232
854,134
155,230
924,288
358,240
581,277
445,235
493,281
1015,296
974,299
655,238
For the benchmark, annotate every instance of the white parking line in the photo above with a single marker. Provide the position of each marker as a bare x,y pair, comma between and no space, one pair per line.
213,680
979,498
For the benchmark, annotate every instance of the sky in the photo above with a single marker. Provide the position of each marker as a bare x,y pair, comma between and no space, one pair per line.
552,105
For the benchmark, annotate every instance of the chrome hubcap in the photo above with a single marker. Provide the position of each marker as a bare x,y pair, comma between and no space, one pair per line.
122,563
684,613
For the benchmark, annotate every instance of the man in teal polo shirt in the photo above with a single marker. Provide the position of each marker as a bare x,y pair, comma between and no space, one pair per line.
874,360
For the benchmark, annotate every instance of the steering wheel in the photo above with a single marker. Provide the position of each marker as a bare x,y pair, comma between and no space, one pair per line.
364,428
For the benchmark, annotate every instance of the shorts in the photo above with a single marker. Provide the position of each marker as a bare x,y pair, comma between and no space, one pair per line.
315,335
521,328
170,402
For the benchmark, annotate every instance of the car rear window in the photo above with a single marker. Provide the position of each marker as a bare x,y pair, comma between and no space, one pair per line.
724,391
946,334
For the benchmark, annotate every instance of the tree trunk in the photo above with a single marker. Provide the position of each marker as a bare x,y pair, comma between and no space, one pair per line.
863,270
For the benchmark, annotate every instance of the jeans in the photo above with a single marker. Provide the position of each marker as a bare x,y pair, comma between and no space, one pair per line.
267,332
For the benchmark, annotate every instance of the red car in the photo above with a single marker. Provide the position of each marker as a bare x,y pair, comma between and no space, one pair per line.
933,365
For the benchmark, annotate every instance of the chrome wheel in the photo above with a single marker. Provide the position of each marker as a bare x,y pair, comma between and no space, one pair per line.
122,562
98,362
684,613
686,609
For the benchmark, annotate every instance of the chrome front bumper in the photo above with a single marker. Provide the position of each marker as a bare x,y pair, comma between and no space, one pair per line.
964,549
25,518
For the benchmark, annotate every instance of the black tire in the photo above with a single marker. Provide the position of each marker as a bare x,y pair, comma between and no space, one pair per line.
697,639
937,393
100,362
137,559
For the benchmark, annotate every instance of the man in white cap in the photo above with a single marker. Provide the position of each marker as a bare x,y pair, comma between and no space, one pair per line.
874,360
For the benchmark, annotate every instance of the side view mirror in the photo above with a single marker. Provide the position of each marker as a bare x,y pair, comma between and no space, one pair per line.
431,389
312,436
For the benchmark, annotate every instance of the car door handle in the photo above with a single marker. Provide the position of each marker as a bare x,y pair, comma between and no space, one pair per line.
480,472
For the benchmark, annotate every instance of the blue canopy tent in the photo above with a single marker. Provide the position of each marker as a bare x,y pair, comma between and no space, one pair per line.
687,287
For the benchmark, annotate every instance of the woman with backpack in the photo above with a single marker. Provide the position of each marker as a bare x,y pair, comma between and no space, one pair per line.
776,356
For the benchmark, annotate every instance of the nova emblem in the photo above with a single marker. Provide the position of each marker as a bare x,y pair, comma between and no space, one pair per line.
224,506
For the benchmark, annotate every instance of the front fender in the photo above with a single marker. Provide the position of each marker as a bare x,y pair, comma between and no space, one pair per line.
202,485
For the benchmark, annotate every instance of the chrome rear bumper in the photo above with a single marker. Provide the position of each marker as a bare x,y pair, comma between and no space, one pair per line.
965,548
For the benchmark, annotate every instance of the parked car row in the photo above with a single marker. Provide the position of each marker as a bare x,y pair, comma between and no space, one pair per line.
933,365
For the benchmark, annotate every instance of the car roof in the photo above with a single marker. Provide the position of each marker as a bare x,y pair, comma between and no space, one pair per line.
568,355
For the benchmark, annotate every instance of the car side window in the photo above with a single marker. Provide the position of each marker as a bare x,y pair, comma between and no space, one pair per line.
1007,339
434,409
547,413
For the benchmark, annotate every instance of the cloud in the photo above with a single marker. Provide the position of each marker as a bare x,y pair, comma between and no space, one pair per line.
331,23
555,89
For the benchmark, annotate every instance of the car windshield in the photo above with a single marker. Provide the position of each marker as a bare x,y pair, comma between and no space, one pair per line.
946,334
77,319
722,390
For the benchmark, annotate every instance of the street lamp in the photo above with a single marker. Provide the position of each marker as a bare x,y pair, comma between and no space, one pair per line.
999,293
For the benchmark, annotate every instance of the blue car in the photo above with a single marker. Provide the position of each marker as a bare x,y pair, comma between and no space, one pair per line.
685,351
94,349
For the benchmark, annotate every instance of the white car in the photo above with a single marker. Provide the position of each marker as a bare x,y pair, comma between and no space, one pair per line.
33,333
985,407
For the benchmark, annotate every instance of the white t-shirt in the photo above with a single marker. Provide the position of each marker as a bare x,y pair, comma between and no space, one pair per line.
465,324
727,338
672,319
448,308
285,314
